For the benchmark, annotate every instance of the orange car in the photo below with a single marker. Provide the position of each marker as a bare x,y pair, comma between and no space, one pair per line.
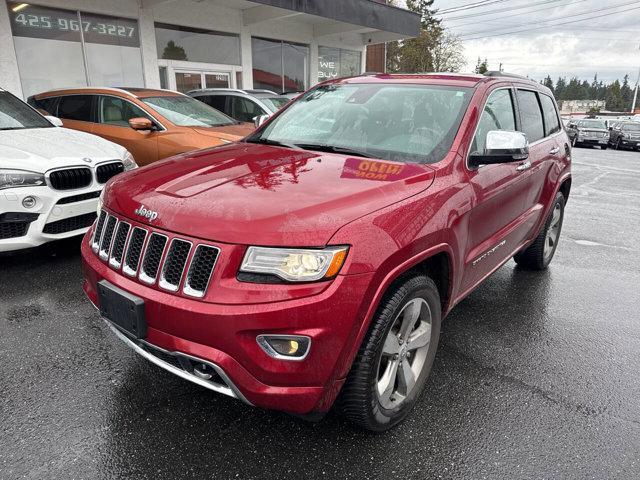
151,124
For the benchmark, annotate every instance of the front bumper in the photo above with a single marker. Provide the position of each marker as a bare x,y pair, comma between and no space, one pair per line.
60,214
593,141
224,335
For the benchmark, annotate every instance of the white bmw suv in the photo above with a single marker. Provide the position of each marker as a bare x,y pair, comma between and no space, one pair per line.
50,177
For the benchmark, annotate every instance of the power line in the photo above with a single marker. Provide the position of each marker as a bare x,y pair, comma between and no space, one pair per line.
508,9
465,36
469,6
572,2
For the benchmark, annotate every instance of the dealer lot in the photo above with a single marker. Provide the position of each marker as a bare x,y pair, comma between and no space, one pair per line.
536,375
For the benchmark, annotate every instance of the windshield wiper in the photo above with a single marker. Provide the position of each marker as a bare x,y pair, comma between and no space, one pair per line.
267,141
333,149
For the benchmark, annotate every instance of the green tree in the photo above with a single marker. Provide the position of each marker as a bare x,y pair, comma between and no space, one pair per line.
626,92
613,97
174,52
482,66
561,88
432,50
547,82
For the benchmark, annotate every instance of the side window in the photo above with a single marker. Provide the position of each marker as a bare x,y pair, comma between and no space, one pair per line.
551,122
244,110
117,111
46,106
215,101
531,115
498,114
75,107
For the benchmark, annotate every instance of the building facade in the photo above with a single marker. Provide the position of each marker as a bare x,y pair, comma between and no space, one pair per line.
581,106
281,45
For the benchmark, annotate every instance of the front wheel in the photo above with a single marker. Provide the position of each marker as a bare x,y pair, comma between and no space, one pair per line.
396,356
539,254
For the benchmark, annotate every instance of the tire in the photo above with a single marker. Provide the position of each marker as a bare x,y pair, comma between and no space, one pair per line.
603,147
536,256
360,400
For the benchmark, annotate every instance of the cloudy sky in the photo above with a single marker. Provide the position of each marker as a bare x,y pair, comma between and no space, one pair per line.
557,37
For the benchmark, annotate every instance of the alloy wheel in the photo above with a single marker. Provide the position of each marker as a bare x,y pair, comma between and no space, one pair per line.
553,232
404,353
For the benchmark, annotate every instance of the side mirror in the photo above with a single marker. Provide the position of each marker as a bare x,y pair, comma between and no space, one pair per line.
260,119
140,123
502,146
55,121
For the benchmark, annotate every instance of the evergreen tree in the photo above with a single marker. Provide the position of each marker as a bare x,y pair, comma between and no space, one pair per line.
482,66
547,82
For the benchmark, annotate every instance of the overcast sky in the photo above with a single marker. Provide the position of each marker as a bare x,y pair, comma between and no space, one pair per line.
606,42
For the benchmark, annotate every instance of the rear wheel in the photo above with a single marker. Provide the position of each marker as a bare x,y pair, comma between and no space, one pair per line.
396,356
539,254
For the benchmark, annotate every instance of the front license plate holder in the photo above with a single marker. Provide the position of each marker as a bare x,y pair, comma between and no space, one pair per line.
122,309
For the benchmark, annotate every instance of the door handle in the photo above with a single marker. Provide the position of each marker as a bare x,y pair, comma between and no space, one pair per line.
554,151
524,166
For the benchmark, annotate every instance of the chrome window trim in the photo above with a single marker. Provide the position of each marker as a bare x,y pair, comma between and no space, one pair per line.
186,289
126,268
112,262
142,275
162,283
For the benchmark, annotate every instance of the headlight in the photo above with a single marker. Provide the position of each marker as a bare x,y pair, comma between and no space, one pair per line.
293,264
128,161
20,178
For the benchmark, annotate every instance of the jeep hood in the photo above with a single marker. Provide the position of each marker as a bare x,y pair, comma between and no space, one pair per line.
263,195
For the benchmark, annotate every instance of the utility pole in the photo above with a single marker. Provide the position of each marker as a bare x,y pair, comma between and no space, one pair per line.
635,95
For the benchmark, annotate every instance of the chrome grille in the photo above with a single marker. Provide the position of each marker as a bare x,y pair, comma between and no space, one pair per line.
134,251
152,257
97,233
107,236
174,265
71,178
202,264
140,253
117,251
106,171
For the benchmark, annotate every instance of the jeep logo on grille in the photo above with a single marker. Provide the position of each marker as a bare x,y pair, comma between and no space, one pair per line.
148,214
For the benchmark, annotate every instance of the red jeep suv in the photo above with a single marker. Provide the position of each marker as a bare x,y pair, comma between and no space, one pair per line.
313,262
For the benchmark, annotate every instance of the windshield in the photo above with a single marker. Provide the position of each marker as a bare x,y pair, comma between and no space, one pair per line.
188,112
630,127
274,103
592,124
408,123
16,115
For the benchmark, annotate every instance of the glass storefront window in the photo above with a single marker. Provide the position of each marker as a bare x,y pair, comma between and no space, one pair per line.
337,62
195,45
48,45
112,46
279,66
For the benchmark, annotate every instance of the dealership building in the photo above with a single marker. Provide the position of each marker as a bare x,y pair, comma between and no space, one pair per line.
280,45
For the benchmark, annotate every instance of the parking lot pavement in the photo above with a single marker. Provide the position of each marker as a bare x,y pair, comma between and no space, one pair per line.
536,377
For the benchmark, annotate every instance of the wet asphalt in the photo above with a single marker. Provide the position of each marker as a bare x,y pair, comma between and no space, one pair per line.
537,376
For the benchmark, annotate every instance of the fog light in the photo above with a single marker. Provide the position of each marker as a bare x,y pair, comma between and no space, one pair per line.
29,202
285,347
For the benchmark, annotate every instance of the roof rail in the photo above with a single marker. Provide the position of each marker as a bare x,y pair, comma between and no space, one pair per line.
496,73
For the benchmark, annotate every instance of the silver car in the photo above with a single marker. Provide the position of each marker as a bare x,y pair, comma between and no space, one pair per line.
242,105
